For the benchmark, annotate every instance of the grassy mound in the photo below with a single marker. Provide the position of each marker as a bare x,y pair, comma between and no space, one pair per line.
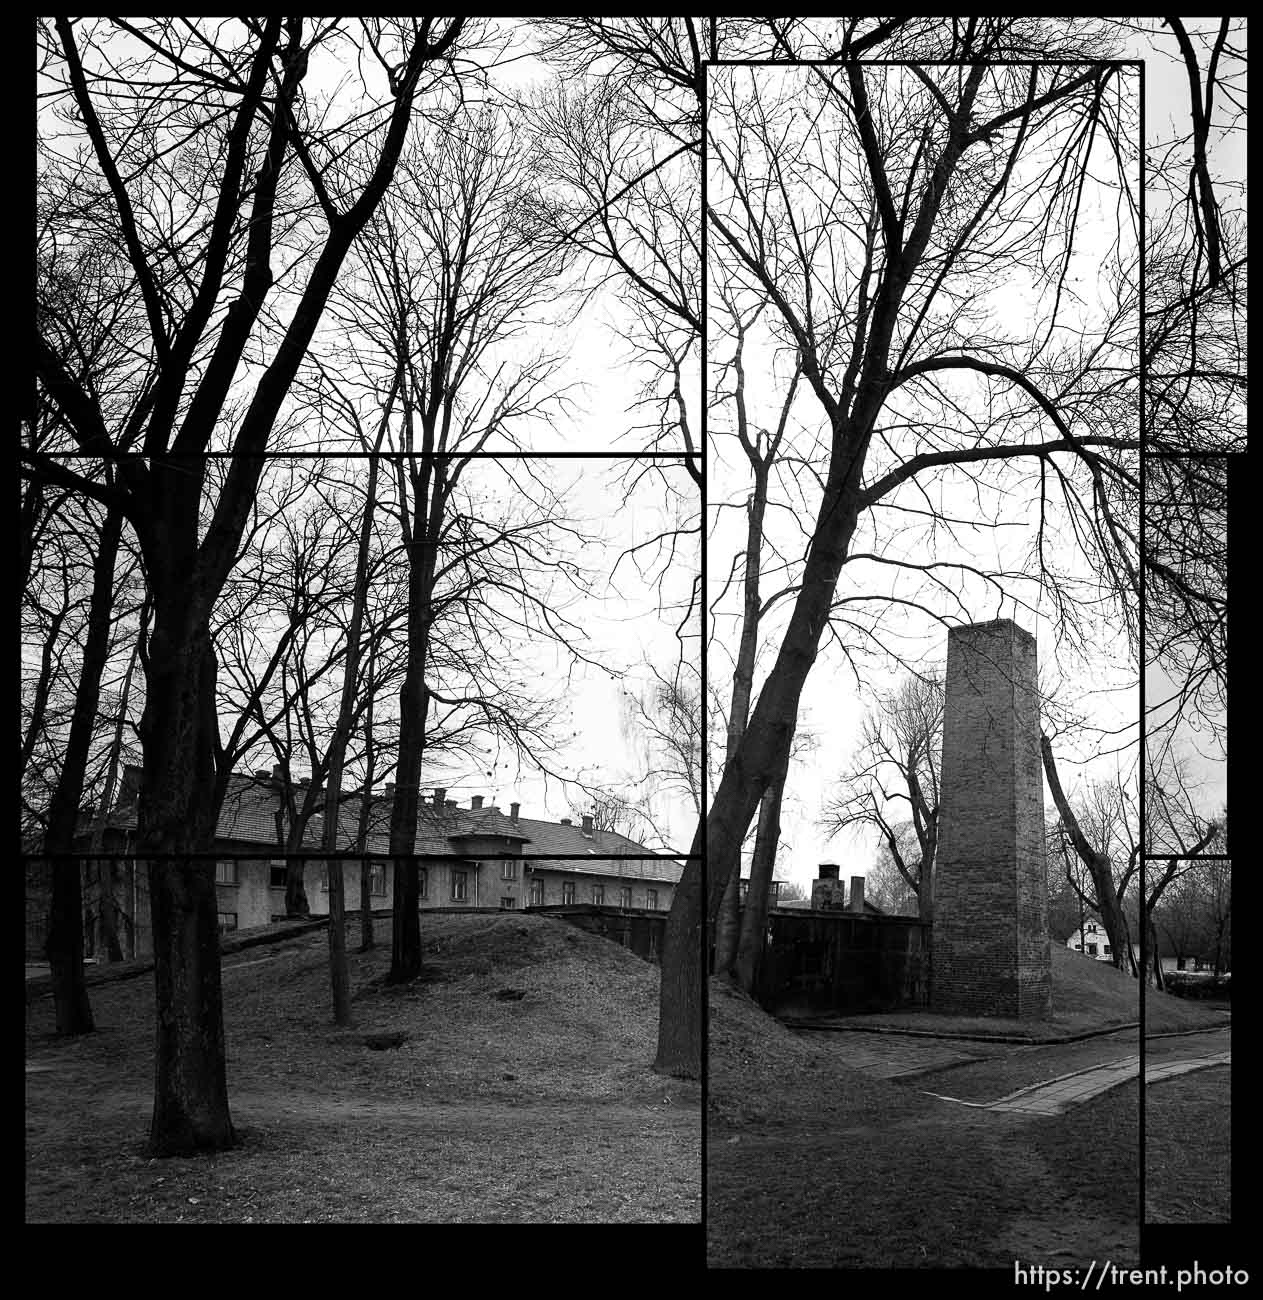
760,1072
510,1083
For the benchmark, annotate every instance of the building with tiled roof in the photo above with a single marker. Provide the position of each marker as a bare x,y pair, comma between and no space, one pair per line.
475,856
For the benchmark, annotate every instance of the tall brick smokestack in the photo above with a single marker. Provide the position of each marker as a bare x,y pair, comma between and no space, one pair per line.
991,954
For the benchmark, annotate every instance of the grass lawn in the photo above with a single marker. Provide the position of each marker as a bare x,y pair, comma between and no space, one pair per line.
1188,1127
539,1108
814,1164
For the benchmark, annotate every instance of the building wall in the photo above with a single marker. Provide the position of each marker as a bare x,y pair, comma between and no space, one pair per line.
247,898
554,894
990,937
843,961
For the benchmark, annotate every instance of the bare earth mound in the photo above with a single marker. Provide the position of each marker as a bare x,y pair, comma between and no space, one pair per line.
520,1090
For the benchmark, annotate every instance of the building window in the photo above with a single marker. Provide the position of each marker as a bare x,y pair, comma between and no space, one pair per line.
624,896
423,875
507,903
508,869
598,894
567,891
1106,950
1091,950
651,899
227,922
460,886
225,873
276,875
324,876
745,889
377,880
537,893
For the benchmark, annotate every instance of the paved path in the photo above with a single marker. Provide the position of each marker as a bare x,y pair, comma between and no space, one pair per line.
1055,1096
888,1057
902,1057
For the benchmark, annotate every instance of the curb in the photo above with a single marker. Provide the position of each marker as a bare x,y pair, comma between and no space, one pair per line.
1018,1040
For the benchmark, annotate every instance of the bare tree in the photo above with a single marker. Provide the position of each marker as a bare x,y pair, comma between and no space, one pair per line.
1103,832
140,158
863,202
894,782
458,269
1195,341
1186,607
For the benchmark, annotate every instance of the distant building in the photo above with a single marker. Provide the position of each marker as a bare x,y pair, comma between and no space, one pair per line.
1092,941
470,857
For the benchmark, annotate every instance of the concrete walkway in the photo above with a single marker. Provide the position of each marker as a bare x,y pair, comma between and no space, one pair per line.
1055,1096
894,1058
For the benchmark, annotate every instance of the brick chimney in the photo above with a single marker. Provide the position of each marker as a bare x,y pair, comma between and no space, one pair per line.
278,772
513,810
565,821
475,802
587,823
439,795
827,890
857,894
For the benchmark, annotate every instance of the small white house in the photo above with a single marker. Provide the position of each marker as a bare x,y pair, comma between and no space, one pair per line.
1091,940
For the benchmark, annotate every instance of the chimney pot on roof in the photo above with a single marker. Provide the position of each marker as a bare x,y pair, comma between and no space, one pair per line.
828,893
451,803
513,810
262,775
475,802
278,771
587,823
857,894
439,795
390,787
565,821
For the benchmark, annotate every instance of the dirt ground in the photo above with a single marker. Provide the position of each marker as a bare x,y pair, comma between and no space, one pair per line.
812,1163
521,1093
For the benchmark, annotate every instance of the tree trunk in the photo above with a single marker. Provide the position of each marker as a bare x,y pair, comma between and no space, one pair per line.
414,701
64,949
366,811
108,947
754,921
339,976
1098,865
366,906
728,925
405,933
680,997
296,902
190,1111
763,752
925,890
176,817
65,945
